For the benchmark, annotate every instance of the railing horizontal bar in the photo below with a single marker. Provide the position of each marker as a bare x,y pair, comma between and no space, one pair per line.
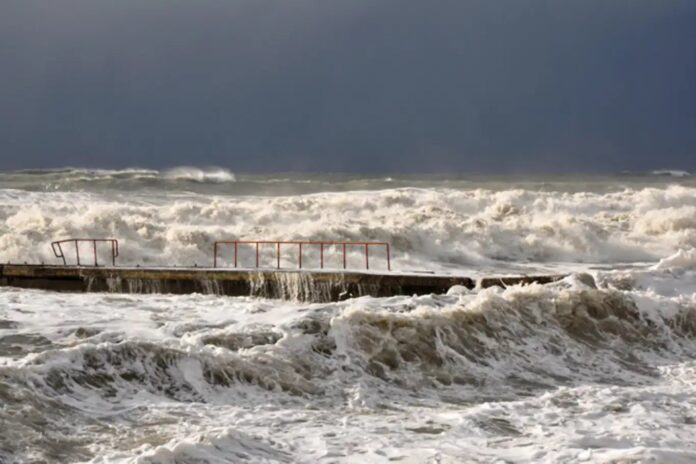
298,242
86,240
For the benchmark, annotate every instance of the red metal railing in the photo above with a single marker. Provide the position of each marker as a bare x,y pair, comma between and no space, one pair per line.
300,244
58,248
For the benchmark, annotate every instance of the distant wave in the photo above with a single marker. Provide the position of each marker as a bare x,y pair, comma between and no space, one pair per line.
214,175
72,171
183,173
671,173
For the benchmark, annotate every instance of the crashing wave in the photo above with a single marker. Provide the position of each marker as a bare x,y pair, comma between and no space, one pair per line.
532,337
429,229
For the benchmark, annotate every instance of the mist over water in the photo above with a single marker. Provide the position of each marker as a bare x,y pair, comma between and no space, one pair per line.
599,370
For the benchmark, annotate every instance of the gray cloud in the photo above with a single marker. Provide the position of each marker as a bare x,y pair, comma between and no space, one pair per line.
389,85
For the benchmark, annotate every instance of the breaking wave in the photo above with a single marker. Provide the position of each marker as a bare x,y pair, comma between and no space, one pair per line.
443,229
535,336
363,355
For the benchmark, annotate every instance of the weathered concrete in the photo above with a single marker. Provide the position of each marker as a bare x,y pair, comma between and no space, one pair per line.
288,284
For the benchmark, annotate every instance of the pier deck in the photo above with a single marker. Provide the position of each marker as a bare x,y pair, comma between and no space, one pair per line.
307,285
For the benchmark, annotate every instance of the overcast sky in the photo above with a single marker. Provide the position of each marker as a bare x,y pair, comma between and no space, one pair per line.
350,85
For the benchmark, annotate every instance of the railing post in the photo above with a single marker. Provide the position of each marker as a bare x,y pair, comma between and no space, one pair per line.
277,255
344,255
77,251
215,247
257,254
60,248
236,245
388,258
114,252
94,247
321,254
367,252
300,255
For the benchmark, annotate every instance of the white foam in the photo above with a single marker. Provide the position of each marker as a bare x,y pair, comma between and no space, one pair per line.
429,229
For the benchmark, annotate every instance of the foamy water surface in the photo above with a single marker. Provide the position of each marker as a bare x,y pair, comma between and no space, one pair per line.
583,370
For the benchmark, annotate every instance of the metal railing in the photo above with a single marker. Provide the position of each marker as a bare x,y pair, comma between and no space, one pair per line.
57,247
300,244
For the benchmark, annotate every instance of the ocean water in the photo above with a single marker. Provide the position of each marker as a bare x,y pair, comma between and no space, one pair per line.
583,370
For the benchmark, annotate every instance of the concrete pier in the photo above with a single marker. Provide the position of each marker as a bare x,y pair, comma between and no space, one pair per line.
319,286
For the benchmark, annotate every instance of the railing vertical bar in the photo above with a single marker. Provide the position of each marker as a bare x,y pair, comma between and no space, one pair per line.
77,251
257,254
215,251
236,245
94,247
277,255
367,259
344,256
321,254
300,255
388,257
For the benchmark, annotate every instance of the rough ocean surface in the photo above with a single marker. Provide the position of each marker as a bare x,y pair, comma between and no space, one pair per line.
583,370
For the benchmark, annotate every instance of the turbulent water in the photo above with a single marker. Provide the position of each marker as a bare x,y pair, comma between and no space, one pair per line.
583,370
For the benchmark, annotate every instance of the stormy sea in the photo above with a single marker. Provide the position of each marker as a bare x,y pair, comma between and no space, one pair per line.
597,367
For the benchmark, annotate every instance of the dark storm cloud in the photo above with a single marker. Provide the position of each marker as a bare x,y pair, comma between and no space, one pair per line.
389,85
